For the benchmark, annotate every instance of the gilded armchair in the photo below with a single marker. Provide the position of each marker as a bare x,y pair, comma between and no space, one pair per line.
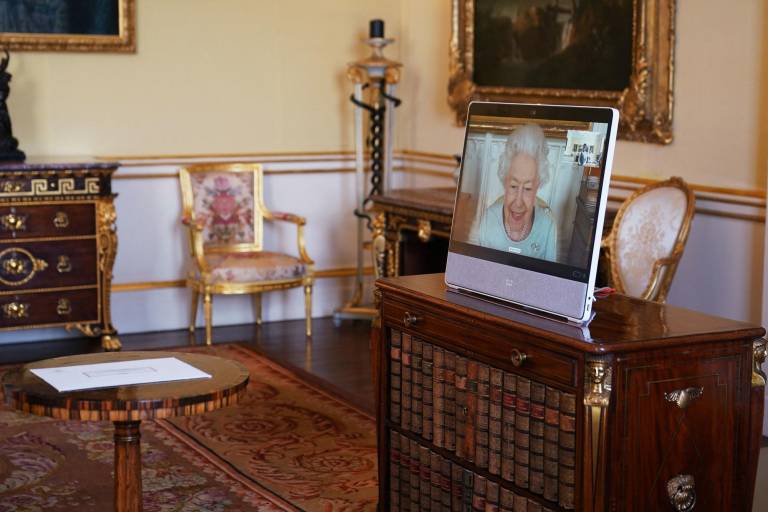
647,239
225,212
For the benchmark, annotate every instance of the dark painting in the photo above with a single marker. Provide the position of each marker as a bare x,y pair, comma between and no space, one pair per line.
81,17
553,44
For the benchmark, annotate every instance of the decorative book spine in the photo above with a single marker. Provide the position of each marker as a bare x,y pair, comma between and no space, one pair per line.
521,503
394,470
461,404
427,406
507,500
415,475
435,493
417,380
425,478
469,428
469,491
457,487
566,455
449,404
494,424
492,497
395,375
405,415
482,420
551,431
534,506
445,484
509,406
478,496
522,432
538,399
405,473
438,391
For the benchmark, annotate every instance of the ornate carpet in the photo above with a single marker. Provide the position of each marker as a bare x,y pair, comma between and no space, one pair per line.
286,446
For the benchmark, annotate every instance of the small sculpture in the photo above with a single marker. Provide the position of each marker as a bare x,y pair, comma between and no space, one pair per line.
9,146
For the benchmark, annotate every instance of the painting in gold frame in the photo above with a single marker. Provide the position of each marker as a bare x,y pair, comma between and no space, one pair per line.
69,25
644,96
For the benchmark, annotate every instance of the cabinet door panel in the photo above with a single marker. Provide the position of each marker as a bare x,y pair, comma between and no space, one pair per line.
681,417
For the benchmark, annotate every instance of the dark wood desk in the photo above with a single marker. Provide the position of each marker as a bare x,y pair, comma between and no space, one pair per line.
650,408
127,406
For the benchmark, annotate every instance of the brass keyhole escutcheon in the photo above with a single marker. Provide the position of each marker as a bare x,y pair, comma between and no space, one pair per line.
64,265
61,220
411,319
64,307
518,357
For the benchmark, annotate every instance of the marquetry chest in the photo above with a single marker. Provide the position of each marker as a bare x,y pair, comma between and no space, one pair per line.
482,407
57,247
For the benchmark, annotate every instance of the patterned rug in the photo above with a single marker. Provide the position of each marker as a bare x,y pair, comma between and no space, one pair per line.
286,446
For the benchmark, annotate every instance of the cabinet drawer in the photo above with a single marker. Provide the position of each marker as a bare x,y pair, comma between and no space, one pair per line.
39,309
52,264
526,355
47,220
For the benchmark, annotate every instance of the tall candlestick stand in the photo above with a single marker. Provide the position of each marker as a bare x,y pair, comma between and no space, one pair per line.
375,77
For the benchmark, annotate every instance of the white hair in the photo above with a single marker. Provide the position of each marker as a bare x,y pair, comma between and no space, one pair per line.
528,140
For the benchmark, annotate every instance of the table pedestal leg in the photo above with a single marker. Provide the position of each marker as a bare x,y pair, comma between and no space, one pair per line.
127,466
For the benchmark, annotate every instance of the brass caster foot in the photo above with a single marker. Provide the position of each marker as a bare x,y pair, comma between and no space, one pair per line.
110,343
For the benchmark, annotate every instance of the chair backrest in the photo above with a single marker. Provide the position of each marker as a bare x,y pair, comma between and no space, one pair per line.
226,201
648,237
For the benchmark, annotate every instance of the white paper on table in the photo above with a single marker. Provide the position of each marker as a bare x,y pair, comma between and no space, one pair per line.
121,373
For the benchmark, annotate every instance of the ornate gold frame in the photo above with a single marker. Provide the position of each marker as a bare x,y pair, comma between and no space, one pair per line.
645,106
198,279
664,268
124,42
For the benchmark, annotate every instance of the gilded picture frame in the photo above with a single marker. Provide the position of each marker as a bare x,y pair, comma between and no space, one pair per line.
645,104
60,25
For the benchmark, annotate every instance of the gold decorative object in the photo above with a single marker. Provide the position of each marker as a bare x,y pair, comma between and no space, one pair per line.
598,383
645,105
684,397
664,268
409,320
518,358
123,41
64,307
681,490
11,186
424,230
201,280
16,261
15,310
61,220
64,264
758,358
13,222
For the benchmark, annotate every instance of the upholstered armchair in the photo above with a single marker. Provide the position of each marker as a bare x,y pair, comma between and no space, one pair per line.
648,237
225,212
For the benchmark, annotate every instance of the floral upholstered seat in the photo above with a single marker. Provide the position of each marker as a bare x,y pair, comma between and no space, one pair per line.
224,211
648,237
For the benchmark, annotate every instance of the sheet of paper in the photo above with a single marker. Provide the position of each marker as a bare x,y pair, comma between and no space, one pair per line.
121,373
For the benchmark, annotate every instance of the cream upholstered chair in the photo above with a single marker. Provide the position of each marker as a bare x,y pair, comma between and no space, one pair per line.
224,211
648,237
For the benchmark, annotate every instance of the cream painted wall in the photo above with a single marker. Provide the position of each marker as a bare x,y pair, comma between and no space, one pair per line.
718,94
209,76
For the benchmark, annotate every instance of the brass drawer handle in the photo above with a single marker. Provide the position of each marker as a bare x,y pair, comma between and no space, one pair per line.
518,358
64,307
61,220
684,397
681,490
15,310
13,222
64,264
411,319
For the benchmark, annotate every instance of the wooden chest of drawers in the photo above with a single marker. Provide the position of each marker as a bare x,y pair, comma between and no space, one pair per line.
57,247
481,407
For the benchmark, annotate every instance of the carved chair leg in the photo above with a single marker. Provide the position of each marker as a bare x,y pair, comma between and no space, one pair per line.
256,298
195,298
308,307
208,310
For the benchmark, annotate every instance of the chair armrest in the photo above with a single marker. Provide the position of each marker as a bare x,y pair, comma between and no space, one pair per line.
196,241
284,216
654,291
300,223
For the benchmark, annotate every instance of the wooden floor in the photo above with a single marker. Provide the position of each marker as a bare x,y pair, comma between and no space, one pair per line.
336,358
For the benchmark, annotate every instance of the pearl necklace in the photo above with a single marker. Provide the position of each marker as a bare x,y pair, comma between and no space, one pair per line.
526,230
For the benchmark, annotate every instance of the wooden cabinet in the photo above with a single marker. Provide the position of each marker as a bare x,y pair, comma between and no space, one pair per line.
57,247
651,407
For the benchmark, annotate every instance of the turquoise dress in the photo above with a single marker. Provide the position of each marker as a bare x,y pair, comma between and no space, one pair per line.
540,243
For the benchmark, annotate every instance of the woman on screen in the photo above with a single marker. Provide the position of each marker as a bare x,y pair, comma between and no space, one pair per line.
518,221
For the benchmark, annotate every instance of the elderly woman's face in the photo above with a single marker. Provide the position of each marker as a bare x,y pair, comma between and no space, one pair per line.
520,186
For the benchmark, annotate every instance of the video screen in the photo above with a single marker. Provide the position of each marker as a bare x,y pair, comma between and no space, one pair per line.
529,191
